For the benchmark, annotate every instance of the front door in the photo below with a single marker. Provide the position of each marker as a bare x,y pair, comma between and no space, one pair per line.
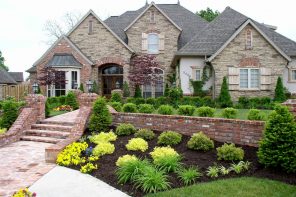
112,78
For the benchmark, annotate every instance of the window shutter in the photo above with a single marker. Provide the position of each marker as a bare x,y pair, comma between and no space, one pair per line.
144,42
161,41
265,78
233,79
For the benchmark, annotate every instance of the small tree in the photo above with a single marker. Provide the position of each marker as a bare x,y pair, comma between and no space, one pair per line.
224,97
277,147
47,108
138,92
2,60
10,113
95,88
81,88
279,95
166,90
101,118
116,97
71,100
126,91
208,14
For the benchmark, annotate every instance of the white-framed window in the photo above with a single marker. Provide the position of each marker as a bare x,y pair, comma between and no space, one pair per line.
74,79
153,43
90,27
152,16
249,78
249,39
157,89
196,74
293,75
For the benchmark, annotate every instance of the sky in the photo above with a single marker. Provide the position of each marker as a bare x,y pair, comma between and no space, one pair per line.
23,39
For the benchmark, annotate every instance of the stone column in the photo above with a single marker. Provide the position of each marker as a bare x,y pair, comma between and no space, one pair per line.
87,99
37,102
291,103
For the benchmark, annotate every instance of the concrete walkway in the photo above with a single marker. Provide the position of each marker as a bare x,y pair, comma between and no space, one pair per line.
66,117
65,182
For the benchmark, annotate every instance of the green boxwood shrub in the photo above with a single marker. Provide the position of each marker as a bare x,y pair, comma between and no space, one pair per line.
146,108
47,108
230,113
255,102
62,100
229,152
152,101
205,111
71,100
175,95
277,147
146,134
116,97
186,110
116,105
10,113
81,88
125,129
165,110
101,118
169,138
136,101
162,101
138,92
255,114
208,101
200,141
130,108
224,97
279,95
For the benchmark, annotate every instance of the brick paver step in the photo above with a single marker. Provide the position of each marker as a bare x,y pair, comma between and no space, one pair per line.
47,133
56,122
40,139
51,127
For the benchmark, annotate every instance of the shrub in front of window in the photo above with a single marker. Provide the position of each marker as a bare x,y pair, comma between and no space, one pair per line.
205,112
152,101
135,144
279,94
138,92
71,100
200,141
224,99
126,91
136,101
186,110
277,148
229,152
116,105
130,108
145,134
62,100
125,129
169,138
208,101
162,101
146,108
116,97
255,114
165,110
81,88
175,95
101,119
230,113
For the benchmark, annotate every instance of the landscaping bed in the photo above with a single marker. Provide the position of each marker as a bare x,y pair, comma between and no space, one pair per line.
106,164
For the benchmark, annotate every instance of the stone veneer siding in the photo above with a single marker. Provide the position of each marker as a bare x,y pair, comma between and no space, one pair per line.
101,47
236,51
161,25
223,130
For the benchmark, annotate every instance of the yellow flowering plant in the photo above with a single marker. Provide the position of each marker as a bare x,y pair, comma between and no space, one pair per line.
24,193
71,155
88,168
125,159
137,144
103,148
103,137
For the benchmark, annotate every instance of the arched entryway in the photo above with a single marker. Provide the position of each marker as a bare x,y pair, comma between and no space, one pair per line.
112,78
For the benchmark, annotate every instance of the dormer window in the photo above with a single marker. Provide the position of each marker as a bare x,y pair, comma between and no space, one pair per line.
249,39
90,27
152,16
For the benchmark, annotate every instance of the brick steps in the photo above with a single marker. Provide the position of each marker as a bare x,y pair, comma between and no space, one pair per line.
47,133
51,127
41,139
52,122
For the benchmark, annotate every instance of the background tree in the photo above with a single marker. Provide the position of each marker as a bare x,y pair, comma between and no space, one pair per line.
208,14
143,70
54,28
2,65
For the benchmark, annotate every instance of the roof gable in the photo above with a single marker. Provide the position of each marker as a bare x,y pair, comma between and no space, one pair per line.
160,10
5,77
90,12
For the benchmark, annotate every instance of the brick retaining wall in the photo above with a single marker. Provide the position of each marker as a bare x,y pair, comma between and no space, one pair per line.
291,103
224,130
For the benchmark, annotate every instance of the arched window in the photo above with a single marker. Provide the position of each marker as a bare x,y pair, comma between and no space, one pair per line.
249,39
112,70
156,89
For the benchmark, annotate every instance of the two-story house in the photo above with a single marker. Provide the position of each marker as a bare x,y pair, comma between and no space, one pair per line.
250,54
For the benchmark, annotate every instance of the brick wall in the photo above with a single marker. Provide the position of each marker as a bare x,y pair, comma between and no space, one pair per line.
224,130
291,103
87,99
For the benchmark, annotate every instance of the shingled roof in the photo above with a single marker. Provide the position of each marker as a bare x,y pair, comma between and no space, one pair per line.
5,77
216,33
189,22
17,76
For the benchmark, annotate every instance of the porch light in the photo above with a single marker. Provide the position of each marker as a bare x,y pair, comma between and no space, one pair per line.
117,85
75,85
35,87
89,85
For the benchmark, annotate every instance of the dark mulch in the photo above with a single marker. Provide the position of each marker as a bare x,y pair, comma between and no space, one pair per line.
203,160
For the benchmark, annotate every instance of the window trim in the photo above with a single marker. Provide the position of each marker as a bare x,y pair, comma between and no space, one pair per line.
251,40
291,74
157,44
90,27
249,78
194,73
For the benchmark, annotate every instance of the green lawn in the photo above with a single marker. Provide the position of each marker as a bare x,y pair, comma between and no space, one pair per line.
55,113
236,187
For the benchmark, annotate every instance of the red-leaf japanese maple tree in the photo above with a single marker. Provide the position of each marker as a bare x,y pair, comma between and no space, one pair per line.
49,76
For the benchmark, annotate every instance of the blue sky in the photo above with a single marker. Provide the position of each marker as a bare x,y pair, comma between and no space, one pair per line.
23,41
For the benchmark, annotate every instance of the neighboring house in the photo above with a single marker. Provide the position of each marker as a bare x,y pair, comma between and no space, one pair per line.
17,76
250,54
10,78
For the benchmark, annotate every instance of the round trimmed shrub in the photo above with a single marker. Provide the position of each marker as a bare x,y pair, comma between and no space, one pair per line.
254,114
10,113
186,110
125,129
230,113
151,101
145,134
71,100
101,118
165,110
169,138
229,152
199,141
116,97
116,105
130,107
146,108
135,144
205,111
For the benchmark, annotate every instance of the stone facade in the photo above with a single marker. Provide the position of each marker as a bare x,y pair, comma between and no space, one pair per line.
224,130
161,26
262,55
